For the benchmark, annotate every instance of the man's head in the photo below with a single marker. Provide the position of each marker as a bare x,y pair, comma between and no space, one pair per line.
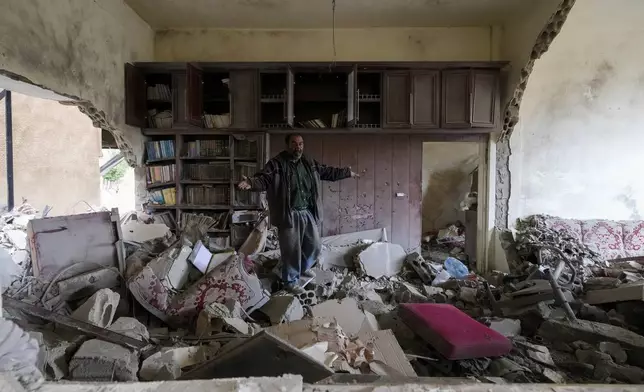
295,145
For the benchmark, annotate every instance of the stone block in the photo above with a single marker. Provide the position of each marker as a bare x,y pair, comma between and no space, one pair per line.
99,309
284,308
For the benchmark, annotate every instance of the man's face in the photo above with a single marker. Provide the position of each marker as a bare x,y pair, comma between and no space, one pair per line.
296,146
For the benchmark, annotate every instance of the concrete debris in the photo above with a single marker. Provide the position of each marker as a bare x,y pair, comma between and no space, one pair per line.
381,259
168,363
506,327
615,351
9,270
99,309
630,292
283,308
216,318
84,285
421,267
347,314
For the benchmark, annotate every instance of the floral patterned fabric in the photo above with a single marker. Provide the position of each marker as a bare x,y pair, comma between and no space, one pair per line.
611,239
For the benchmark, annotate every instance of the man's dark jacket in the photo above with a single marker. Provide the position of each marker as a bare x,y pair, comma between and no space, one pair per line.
275,179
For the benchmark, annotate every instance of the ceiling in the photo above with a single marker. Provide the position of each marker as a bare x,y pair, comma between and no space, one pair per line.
300,14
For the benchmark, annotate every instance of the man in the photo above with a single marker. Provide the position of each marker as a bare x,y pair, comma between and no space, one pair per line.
294,193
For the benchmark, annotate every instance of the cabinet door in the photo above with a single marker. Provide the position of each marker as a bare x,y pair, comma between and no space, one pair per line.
425,99
484,98
397,105
244,98
135,97
290,97
352,97
456,111
195,95
180,99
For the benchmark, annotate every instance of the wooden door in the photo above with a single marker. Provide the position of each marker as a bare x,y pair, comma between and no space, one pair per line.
244,98
397,99
425,87
180,99
352,96
484,97
194,77
290,97
456,109
135,97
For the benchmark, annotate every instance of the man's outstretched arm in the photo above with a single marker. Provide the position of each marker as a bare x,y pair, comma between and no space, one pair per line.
261,180
329,173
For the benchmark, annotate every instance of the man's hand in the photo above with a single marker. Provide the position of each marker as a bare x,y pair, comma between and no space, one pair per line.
244,184
355,175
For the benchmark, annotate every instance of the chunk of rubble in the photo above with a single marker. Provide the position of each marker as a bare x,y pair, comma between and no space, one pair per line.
407,293
99,309
9,271
538,353
168,363
283,308
86,284
381,259
553,376
216,318
506,327
615,351
348,315
421,267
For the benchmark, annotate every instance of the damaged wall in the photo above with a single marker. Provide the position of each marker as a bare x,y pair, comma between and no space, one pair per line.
77,49
577,146
447,168
376,44
58,170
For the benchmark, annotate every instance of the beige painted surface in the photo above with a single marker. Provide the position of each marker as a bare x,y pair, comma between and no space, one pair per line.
76,48
381,44
577,150
446,180
56,151
306,14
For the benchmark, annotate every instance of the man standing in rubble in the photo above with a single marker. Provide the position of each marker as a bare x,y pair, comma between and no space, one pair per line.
294,194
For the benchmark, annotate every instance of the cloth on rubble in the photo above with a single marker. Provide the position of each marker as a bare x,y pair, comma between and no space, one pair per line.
276,181
300,245
19,355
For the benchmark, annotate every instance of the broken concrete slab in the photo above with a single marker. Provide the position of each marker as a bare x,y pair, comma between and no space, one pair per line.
625,292
538,353
407,293
85,285
625,373
614,350
386,349
601,283
553,376
99,309
9,271
381,259
18,238
168,363
283,308
303,333
131,327
468,295
375,235
97,360
137,232
506,327
248,358
421,267
347,314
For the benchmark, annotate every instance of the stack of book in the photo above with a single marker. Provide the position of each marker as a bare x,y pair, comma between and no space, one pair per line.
214,171
207,148
216,120
160,150
160,174
166,197
207,195
159,92
160,119
339,120
315,123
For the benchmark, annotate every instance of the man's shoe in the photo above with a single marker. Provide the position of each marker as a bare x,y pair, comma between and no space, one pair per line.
308,274
294,288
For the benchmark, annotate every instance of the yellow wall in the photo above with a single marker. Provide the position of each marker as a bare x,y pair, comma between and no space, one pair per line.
376,44
56,151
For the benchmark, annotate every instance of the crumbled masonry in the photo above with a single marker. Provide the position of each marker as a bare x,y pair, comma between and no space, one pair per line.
348,319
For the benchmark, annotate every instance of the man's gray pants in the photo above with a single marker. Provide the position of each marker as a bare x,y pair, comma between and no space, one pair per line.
300,245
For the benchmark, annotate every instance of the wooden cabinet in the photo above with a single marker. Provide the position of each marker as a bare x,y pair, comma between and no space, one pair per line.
469,98
180,99
195,95
135,96
425,88
244,93
397,99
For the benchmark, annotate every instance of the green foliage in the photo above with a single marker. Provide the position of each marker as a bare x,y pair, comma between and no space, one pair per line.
116,173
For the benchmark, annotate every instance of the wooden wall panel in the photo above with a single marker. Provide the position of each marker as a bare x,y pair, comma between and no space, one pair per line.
365,209
400,204
331,190
383,183
348,147
415,190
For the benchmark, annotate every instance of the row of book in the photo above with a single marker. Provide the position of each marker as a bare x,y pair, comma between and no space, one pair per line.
166,196
160,174
161,119
338,120
207,195
213,171
159,92
207,148
216,120
160,149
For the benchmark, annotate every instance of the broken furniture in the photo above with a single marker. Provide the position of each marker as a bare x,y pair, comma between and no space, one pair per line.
453,333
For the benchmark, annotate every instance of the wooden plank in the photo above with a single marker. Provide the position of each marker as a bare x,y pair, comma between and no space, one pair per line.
348,146
331,190
77,325
415,190
383,182
400,204
365,205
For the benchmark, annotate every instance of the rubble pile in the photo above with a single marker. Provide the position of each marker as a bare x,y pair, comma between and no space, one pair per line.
176,306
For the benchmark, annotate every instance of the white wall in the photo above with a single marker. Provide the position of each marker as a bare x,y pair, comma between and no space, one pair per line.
447,169
577,150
